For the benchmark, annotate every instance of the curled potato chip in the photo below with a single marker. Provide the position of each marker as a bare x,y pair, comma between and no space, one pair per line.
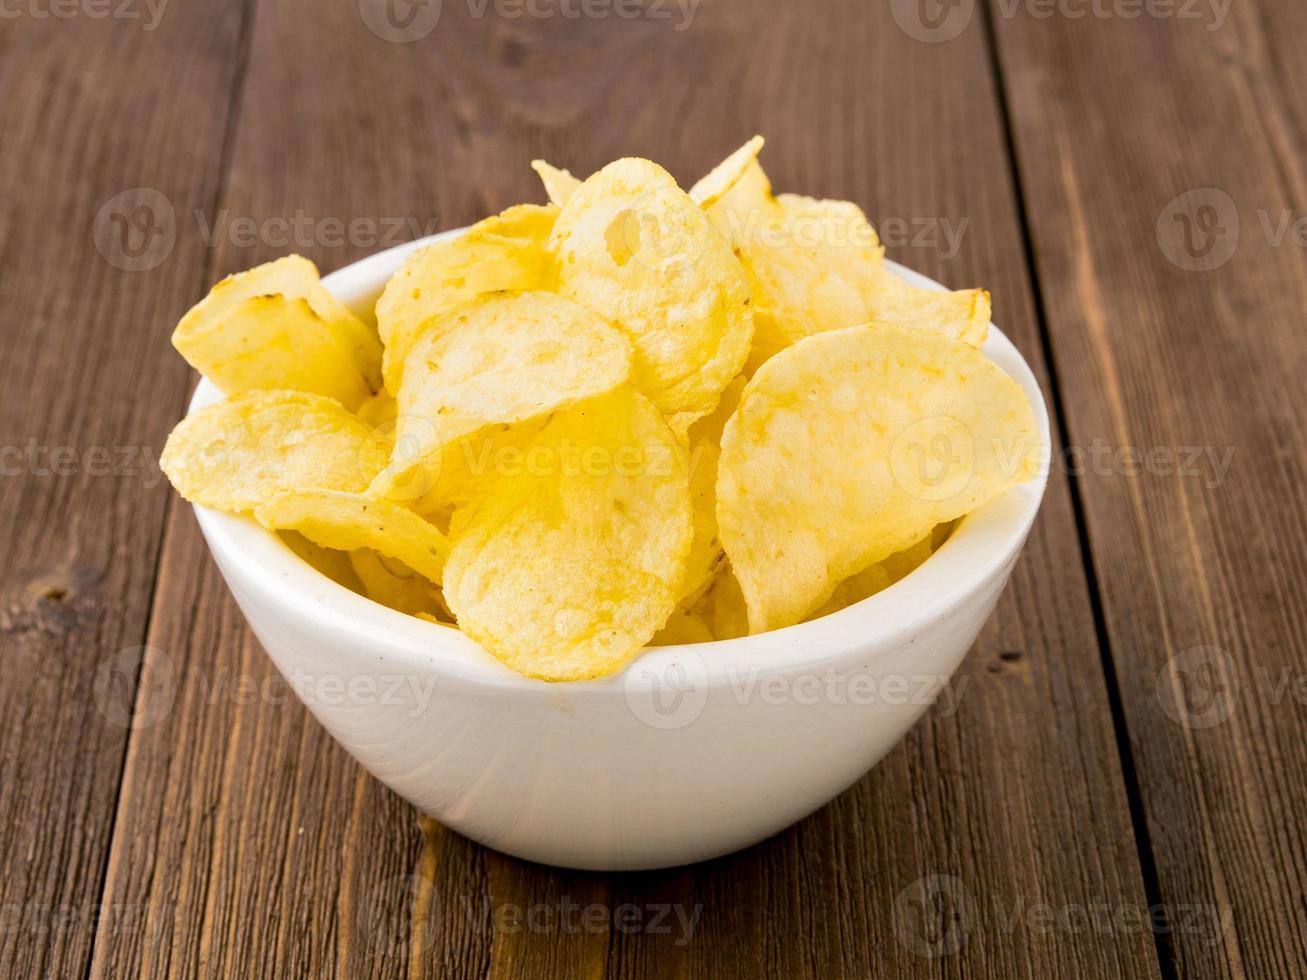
962,314
559,184
277,327
504,252
393,584
243,451
350,521
852,445
504,358
633,247
719,181
567,569
816,265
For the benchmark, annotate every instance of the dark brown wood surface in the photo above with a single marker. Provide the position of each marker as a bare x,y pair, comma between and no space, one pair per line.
1114,745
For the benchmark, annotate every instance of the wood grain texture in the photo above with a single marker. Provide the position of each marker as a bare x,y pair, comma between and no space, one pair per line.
256,847
91,284
1165,341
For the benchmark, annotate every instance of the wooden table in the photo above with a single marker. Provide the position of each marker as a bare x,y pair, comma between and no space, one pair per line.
1119,793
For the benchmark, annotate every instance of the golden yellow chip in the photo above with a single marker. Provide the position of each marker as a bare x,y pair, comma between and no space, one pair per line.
817,265
471,467
350,521
748,209
331,563
394,584
277,327
379,411
722,607
852,445
875,578
559,184
704,439
241,452
682,627
717,183
633,247
506,251
962,314
566,570
502,359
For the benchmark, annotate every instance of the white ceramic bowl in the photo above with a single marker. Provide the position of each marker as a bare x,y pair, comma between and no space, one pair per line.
690,753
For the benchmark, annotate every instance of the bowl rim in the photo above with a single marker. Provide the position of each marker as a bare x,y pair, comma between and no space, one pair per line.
980,551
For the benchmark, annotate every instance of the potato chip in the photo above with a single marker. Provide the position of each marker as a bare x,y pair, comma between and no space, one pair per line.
817,265
505,252
499,360
277,327
746,208
241,452
878,577
852,445
393,584
350,521
633,247
379,410
559,184
470,467
962,314
711,188
722,607
704,439
682,627
331,563
566,570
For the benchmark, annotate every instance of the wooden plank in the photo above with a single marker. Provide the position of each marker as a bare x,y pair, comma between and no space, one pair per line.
1165,342
92,277
979,817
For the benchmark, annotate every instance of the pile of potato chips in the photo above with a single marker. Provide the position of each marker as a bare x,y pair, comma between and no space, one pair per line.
633,416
